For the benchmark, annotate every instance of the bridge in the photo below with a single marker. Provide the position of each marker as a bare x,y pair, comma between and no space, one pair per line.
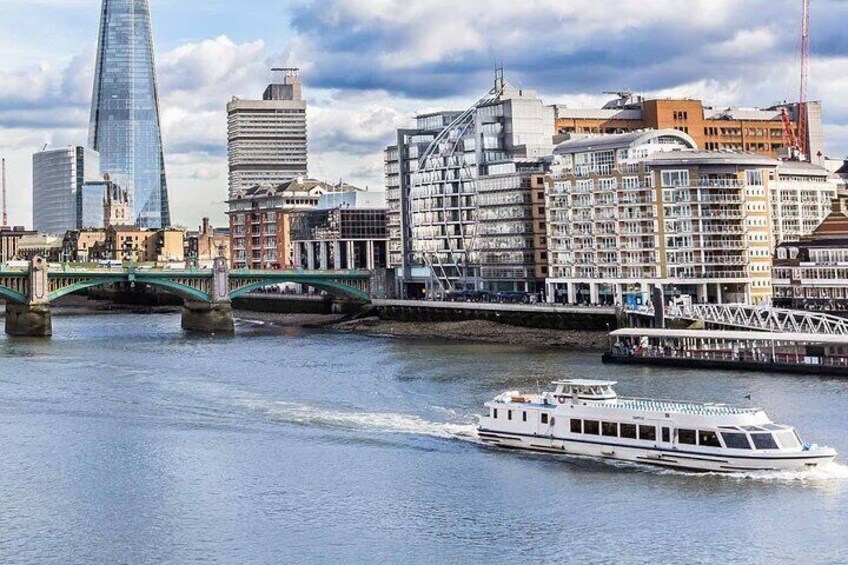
207,293
755,318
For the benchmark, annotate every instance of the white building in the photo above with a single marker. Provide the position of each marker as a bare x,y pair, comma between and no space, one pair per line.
266,139
58,176
634,212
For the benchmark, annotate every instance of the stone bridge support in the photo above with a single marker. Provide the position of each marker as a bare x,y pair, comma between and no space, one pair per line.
32,319
215,316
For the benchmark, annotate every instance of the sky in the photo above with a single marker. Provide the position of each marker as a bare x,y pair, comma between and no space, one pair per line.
369,66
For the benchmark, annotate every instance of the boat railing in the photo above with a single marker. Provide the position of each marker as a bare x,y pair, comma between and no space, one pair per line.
693,407
746,356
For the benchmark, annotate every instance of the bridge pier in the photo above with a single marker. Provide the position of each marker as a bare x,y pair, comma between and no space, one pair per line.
208,317
32,318
29,320
215,316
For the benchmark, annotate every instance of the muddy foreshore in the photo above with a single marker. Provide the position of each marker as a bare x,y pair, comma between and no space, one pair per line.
470,330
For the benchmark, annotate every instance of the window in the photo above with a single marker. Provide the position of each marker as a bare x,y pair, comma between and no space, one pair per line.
675,178
576,426
591,427
735,440
524,416
787,439
628,430
763,441
708,439
544,418
495,413
509,414
609,429
666,435
686,436
648,433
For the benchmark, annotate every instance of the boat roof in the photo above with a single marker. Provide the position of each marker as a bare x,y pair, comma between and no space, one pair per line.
733,335
584,382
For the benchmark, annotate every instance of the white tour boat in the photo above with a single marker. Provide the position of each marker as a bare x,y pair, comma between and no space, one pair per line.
585,417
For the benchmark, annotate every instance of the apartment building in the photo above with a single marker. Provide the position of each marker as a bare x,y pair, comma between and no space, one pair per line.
801,195
812,273
434,209
260,220
753,130
630,213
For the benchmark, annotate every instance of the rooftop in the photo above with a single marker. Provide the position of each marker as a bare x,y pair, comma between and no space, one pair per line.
711,158
621,140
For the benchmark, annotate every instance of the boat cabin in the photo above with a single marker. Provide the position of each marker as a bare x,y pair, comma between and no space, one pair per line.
583,389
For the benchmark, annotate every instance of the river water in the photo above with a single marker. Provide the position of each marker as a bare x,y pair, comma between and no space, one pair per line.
126,441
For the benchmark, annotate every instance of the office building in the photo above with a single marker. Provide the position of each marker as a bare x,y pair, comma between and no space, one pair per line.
753,130
125,125
207,244
10,238
630,213
260,220
346,231
812,273
434,208
59,196
266,139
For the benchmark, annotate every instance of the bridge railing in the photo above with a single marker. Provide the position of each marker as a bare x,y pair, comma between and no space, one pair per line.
762,318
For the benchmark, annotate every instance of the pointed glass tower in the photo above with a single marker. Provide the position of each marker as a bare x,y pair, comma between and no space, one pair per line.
124,125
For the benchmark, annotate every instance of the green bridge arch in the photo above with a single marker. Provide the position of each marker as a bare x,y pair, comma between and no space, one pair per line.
181,290
324,284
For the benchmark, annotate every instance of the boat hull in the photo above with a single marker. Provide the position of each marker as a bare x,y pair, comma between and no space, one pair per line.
669,458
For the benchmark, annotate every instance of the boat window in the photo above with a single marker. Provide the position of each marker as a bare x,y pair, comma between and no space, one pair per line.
509,414
609,429
708,439
735,440
648,433
773,427
494,413
524,416
752,429
577,426
763,441
686,436
628,430
666,435
591,427
787,439
544,418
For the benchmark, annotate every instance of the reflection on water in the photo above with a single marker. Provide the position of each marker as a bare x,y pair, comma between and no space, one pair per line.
126,440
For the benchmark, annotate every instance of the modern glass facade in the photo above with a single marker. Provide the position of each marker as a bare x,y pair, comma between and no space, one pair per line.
124,124
58,177
91,204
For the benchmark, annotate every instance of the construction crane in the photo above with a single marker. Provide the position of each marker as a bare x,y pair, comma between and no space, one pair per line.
805,70
5,213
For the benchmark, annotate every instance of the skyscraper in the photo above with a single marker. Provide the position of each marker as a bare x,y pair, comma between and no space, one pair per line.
267,138
124,126
59,178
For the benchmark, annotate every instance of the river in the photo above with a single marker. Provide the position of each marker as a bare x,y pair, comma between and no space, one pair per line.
125,440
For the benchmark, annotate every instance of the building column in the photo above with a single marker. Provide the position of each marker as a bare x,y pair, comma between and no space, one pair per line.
719,297
619,294
570,290
297,255
594,293
337,255
322,255
310,256
369,251
702,293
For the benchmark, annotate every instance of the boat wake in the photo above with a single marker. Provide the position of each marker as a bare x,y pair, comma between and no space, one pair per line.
385,422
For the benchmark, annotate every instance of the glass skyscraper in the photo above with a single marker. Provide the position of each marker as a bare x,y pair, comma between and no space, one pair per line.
124,126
